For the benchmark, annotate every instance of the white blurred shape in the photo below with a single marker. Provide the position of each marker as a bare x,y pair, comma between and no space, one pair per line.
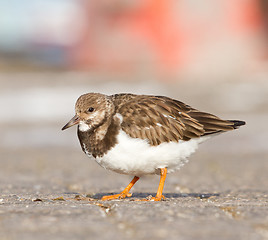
58,22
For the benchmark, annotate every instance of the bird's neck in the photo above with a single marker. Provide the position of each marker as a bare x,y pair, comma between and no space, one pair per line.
98,141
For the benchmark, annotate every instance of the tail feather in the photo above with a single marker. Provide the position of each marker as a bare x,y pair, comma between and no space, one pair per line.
237,123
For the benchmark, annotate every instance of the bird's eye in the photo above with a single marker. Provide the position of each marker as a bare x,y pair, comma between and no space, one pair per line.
91,109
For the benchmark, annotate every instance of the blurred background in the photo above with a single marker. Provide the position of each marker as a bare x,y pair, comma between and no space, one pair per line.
164,38
211,54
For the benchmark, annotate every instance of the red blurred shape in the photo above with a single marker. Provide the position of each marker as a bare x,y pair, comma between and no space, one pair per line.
163,35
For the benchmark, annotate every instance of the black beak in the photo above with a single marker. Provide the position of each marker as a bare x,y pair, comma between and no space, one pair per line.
75,120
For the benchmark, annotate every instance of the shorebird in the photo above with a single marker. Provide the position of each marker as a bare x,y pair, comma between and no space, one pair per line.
142,134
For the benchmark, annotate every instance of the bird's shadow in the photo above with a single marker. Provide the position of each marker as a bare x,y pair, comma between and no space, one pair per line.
142,195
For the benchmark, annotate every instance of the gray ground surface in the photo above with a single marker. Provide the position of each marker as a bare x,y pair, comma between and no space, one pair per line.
49,189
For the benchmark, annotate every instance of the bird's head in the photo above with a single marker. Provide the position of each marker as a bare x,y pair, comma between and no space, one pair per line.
92,109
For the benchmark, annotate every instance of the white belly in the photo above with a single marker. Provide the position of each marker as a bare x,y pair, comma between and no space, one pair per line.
136,157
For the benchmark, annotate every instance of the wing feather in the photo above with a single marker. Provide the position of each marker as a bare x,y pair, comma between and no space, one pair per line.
161,119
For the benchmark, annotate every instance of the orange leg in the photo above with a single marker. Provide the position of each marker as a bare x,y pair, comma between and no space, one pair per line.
159,196
124,193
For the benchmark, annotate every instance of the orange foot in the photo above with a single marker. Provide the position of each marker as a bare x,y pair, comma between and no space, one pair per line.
157,198
153,199
116,196
123,194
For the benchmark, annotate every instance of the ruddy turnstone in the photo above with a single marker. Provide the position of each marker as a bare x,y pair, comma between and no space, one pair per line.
142,134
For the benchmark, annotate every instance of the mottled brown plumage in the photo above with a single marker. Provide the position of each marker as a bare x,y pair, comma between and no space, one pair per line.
161,119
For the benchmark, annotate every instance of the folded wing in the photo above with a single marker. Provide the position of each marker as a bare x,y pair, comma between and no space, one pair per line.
161,119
